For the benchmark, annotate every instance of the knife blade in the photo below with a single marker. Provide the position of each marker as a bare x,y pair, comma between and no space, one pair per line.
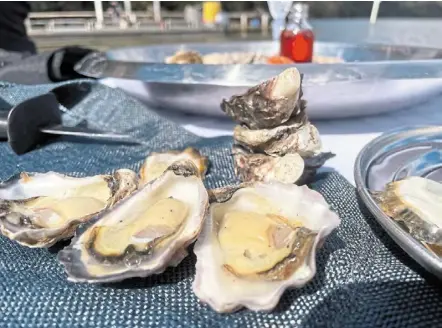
77,131
32,121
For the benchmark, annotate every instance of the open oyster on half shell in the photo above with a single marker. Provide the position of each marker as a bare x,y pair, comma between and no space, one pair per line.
258,240
38,209
144,234
417,203
156,163
268,104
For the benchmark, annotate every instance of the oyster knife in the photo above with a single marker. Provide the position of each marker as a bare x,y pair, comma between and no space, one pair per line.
32,121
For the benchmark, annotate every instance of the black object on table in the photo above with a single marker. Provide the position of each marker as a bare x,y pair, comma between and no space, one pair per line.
33,121
47,67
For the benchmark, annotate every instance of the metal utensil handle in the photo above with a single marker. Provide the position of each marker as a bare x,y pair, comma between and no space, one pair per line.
4,124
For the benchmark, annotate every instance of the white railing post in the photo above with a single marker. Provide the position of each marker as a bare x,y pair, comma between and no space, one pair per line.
128,12
98,14
374,11
244,21
127,8
157,11
265,24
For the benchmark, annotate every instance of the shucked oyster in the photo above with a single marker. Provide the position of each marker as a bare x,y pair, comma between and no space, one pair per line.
39,209
268,104
417,203
143,235
156,163
285,139
257,241
185,57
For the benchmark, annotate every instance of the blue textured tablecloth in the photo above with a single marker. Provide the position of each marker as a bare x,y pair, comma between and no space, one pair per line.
363,279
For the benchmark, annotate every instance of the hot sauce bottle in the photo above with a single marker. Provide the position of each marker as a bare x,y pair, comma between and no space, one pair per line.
297,38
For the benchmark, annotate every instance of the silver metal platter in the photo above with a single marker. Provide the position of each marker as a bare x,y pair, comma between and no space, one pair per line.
415,151
373,79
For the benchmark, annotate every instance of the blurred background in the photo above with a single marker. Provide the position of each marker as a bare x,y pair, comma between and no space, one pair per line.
105,24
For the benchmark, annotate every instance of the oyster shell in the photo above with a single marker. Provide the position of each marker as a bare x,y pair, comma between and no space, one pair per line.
185,57
268,104
257,241
143,235
311,166
260,167
156,163
290,168
417,203
37,210
301,138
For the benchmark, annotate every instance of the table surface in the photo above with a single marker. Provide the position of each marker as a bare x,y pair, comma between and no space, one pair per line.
344,137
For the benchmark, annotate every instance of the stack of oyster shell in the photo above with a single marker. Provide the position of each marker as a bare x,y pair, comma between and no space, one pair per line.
274,139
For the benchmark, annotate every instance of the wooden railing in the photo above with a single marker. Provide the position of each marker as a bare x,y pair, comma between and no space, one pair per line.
53,22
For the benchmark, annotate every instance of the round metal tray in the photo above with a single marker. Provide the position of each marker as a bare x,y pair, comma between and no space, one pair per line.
413,151
346,51
373,79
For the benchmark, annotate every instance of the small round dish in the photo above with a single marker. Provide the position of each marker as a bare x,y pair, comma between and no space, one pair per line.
410,151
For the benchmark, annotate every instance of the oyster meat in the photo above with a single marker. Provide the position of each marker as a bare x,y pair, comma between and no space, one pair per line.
156,163
185,57
258,240
229,58
417,203
37,210
269,104
144,234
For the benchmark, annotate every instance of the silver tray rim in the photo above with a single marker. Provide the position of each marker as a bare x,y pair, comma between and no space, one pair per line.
410,245
256,73
254,43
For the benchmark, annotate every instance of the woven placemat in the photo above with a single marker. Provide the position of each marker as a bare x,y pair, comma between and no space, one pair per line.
364,279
